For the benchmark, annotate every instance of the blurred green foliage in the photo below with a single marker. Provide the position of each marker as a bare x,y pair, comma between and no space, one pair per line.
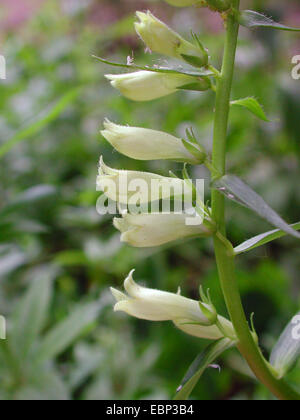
58,257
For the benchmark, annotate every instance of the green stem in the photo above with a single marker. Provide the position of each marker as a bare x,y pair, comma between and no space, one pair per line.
225,262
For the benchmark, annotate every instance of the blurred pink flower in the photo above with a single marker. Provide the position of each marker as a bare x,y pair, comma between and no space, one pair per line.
212,20
292,15
16,12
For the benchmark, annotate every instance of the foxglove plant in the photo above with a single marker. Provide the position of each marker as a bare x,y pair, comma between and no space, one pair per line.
196,73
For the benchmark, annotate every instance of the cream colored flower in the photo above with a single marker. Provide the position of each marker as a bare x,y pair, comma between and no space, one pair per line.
149,230
133,187
161,39
147,85
156,305
212,332
146,144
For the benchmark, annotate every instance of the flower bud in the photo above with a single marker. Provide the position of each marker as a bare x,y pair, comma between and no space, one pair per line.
122,186
184,3
286,352
220,5
156,305
145,144
149,230
161,39
148,85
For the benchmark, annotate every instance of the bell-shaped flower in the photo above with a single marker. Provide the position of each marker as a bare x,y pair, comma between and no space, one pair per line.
150,230
161,39
147,85
135,187
157,305
146,144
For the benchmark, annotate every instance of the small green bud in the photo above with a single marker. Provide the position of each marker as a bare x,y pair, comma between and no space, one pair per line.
161,39
193,60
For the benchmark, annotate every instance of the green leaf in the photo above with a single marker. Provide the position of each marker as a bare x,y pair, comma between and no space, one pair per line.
160,69
32,312
262,239
71,257
11,259
45,118
28,197
252,19
235,189
67,331
287,350
44,385
200,364
253,106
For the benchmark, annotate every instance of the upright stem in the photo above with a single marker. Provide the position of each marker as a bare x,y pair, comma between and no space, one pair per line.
225,262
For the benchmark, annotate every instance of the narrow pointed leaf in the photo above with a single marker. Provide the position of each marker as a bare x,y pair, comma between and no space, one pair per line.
253,106
262,239
287,350
28,198
32,312
235,189
40,122
252,19
200,364
67,331
160,69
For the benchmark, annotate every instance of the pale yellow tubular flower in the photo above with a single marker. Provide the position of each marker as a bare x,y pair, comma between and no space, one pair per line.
146,144
122,185
148,85
157,305
161,39
150,230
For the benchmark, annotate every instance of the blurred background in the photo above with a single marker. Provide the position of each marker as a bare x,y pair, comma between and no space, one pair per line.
58,257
